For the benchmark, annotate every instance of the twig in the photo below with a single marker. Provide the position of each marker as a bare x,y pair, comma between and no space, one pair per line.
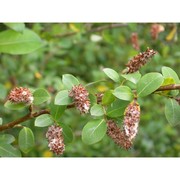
169,87
99,99
97,29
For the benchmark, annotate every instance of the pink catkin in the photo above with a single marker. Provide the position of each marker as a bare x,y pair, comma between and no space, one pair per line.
20,95
55,139
139,60
81,98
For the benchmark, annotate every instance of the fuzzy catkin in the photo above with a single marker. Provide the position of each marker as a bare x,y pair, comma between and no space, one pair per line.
20,95
55,139
139,60
131,120
81,98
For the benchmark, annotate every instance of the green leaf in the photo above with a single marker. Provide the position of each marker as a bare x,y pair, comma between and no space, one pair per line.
94,131
26,140
133,77
67,133
40,96
93,99
43,120
57,111
117,108
62,98
7,150
172,112
69,81
1,121
170,73
15,106
149,83
19,27
7,138
13,42
108,98
112,74
124,93
167,81
97,110
3,92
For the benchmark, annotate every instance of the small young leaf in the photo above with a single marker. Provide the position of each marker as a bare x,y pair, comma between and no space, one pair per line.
117,108
43,120
40,96
134,77
67,133
57,111
19,27
97,110
170,73
172,112
13,42
7,138
7,150
108,98
124,93
69,81
3,92
62,98
26,140
149,83
112,74
14,106
94,131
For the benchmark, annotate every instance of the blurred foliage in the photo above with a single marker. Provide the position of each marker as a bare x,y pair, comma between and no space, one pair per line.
83,50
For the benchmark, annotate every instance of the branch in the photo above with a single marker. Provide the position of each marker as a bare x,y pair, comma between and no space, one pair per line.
97,29
169,87
99,99
23,119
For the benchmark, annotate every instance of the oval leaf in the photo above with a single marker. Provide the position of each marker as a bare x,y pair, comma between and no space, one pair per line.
94,131
40,96
117,108
19,27
108,98
112,74
13,42
170,73
7,150
3,92
26,140
69,81
124,93
67,133
7,138
43,120
57,111
15,106
172,112
62,98
133,77
97,110
149,83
